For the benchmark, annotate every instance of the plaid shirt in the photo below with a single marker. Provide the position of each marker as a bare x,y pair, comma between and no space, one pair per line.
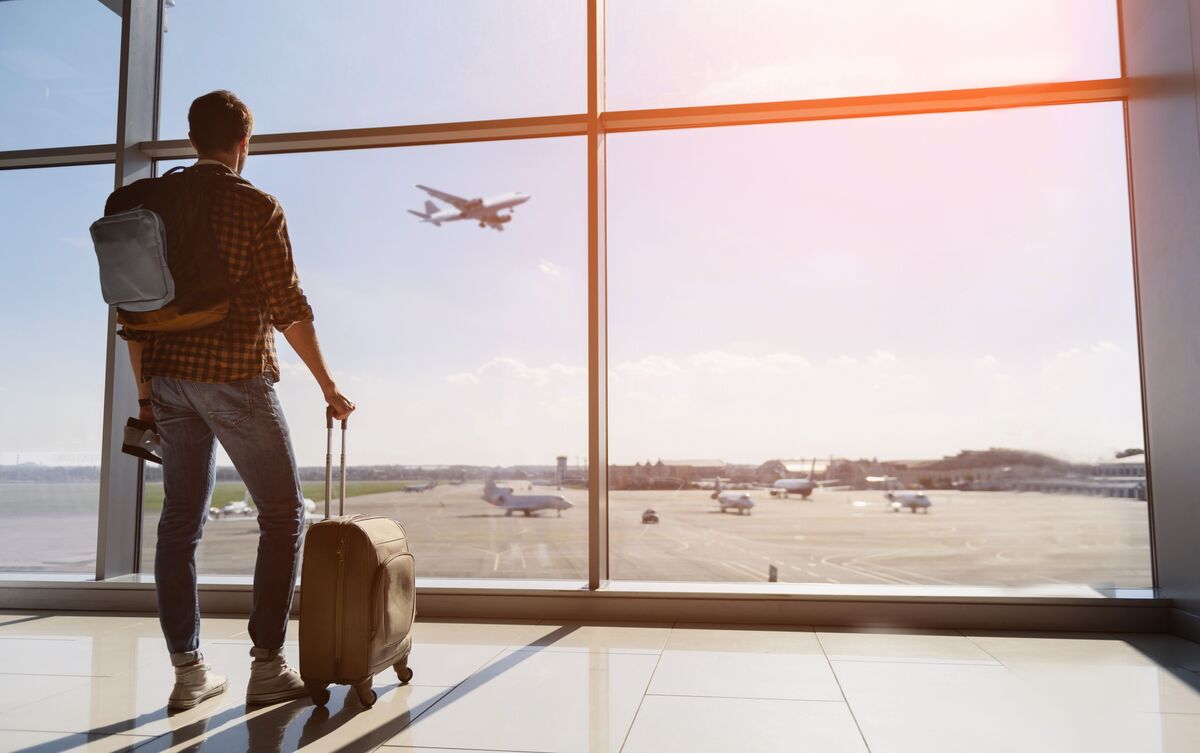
265,291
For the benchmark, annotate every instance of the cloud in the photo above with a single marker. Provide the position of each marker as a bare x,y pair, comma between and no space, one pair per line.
292,368
650,366
723,362
882,358
297,369
506,366
550,268
787,362
1085,353
985,362
1076,369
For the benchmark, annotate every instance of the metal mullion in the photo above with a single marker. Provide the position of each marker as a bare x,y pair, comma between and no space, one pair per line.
118,527
954,100
618,121
1137,307
63,156
392,136
598,574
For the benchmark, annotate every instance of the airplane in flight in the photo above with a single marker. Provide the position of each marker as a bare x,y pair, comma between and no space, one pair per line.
503,497
739,501
802,486
487,212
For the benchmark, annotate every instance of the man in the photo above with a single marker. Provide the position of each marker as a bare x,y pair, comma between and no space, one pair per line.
216,385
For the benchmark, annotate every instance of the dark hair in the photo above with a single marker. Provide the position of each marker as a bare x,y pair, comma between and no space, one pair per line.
219,120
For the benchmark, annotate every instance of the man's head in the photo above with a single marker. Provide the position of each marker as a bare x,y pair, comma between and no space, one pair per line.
219,126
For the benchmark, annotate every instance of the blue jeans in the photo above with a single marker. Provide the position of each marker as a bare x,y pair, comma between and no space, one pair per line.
245,417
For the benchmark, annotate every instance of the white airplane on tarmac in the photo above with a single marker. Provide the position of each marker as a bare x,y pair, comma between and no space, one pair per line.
912,499
245,509
802,486
739,501
503,497
487,212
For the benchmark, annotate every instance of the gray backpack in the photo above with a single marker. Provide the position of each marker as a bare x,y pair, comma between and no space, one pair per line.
132,250
159,262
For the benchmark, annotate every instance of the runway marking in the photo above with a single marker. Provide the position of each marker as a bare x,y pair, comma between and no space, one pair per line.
902,571
863,573
744,569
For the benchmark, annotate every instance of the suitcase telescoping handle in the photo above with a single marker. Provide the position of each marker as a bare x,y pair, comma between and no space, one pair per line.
329,464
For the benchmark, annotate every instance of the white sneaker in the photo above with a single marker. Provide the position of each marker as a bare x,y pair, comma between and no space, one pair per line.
271,679
195,683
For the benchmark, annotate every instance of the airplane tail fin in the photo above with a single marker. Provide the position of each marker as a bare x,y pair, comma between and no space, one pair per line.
430,210
489,492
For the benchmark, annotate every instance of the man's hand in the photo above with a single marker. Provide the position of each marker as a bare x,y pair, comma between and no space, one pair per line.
338,402
146,414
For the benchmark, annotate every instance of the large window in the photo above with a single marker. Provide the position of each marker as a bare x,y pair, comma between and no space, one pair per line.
905,344
58,73
310,64
936,304
464,348
672,53
52,373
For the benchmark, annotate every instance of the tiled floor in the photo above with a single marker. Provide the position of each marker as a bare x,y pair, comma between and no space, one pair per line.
100,684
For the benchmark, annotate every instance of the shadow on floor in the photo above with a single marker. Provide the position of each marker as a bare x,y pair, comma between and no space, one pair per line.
278,729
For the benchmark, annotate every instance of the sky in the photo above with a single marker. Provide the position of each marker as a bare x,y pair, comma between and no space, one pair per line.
896,287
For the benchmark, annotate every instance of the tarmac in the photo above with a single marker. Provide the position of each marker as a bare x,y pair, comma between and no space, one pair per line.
838,537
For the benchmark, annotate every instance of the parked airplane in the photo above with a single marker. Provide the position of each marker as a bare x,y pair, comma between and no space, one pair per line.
802,486
739,501
487,212
503,497
245,509
913,500
241,509
419,487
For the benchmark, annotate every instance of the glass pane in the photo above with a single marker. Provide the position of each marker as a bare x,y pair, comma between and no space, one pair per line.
768,50
52,378
937,307
309,64
59,61
463,347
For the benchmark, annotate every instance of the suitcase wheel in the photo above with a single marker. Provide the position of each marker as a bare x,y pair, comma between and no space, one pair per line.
318,692
404,672
366,696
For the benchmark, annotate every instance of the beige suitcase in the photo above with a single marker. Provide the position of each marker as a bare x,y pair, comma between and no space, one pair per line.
357,596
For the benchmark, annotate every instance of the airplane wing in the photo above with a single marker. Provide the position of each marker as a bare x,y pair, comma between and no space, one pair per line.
494,221
455,201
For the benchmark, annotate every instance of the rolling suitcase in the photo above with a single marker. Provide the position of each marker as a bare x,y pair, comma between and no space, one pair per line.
357,596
